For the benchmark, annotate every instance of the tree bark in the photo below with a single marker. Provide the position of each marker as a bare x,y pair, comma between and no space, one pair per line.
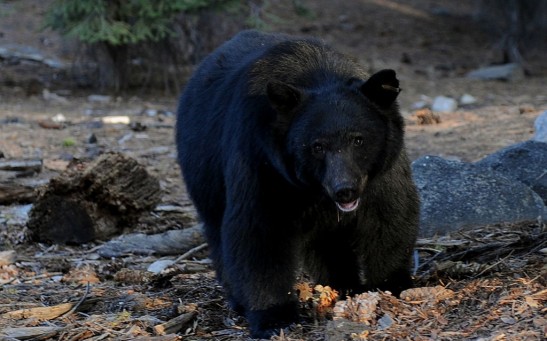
93,201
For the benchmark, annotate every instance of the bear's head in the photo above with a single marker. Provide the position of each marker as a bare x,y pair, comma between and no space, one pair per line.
341,135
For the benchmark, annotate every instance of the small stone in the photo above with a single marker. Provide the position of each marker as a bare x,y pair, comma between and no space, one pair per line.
508,319
385,322
59,118
444,104
53,97
92,139
467,99
419,105
160,265
99,99
506,72
116,120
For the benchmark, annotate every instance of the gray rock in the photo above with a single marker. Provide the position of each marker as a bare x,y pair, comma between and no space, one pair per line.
343,329
457,195
99,99
444,104
160,265
525,162
23,52
540,126
467,99
385,322
510,71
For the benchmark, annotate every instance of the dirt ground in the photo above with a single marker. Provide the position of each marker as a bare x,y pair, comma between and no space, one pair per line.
498,289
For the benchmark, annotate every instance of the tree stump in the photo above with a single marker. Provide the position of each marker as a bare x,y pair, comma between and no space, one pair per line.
93,201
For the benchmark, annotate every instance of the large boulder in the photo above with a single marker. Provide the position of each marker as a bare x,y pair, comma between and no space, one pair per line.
525,162
540,126
457,195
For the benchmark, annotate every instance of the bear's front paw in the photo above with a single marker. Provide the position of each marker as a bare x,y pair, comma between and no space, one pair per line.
268,322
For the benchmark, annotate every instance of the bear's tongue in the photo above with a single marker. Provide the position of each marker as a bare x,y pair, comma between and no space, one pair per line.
348,207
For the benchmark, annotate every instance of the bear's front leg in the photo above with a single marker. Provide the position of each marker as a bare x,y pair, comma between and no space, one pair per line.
388,260
260,268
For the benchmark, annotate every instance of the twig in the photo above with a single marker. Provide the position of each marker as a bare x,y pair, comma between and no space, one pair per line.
25,279
493,265
77,305
191,252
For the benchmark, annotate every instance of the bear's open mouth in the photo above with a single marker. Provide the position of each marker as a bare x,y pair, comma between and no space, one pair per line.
348,206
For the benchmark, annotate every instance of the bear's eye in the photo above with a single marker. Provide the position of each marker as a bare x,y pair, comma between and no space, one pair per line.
318,148
358,141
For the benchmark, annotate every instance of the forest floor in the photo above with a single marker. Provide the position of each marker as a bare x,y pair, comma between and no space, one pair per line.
498,274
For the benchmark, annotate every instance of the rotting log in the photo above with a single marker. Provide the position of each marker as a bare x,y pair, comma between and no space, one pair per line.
11,193
34,166
93,201
173,242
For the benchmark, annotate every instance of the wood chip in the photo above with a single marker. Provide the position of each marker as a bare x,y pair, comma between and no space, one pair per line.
40,313
176,324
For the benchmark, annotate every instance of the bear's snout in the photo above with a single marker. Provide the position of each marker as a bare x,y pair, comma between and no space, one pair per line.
346,197
345,193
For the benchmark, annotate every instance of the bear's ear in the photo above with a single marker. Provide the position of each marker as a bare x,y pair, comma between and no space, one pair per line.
382,88
283,97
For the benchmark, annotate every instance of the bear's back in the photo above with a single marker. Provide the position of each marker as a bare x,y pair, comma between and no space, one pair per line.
264,57
301,62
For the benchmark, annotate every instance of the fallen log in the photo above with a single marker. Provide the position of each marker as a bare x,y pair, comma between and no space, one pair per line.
24,166
93,201
174,242
11,193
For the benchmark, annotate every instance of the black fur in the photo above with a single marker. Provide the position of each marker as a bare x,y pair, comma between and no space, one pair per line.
277,138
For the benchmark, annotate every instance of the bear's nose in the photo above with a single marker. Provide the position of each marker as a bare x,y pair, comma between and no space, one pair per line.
345,194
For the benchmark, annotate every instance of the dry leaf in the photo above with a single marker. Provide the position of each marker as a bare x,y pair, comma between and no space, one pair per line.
82,275
531,302
361,308
327,296
305,291
429,294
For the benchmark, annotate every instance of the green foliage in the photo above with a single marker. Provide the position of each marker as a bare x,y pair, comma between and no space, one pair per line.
121,22
69,142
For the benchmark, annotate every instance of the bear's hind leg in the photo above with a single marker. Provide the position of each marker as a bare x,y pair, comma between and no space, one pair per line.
215,253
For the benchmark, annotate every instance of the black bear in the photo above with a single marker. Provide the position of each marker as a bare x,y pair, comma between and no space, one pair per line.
294,158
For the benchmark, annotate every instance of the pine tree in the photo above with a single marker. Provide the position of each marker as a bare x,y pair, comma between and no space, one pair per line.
116,25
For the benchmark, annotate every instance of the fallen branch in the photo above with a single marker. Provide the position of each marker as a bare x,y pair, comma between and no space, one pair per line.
176,324
77,305
172,242
39,313
24,166
11,193
191,252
